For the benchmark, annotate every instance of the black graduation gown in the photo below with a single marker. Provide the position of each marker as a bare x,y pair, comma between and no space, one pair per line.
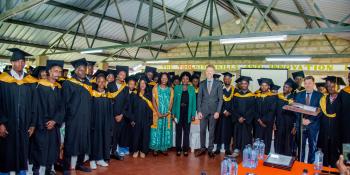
284,140
265,111
119,106
142,115
77,100
329,135
243,106
17,114
45,145
101,126
344,97
224,125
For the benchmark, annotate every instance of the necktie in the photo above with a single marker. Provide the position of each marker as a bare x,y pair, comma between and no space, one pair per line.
307,100
209,86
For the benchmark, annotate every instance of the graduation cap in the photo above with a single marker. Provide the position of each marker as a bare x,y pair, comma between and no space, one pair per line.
275,87
265,80
131,78
227,74
196,75
216,76
18,54
334,79
349,67
298,74
100,73
320,84
150,69
52,63
290,82
38,70
122,68
112,71
91,63
243,78
65,70
79,62
7,68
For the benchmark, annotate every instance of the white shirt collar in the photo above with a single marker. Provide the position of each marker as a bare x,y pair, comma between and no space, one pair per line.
16,76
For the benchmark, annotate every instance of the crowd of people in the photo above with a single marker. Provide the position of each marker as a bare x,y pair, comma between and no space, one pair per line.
107,114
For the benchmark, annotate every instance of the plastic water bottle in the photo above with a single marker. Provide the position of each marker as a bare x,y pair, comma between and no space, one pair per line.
254,158
233,166
224,164
261,150
256,143
245,156
318,164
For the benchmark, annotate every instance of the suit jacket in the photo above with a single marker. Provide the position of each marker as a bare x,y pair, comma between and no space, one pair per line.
315,102
209,103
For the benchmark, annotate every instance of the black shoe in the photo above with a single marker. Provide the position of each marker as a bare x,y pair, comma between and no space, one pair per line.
117,157
83,168
200,152
227,153
178,153
217,152
66,172
155,153
185,153
49,172
165,153
211,154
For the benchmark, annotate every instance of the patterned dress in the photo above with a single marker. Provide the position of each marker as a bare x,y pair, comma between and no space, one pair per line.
162,136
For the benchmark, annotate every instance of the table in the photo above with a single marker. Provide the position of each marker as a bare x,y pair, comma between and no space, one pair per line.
297,169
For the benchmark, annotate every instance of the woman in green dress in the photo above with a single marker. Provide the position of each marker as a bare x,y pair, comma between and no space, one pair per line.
161,129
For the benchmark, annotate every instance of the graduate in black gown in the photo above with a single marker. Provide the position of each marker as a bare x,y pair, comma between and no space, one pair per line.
344,97
265,113
90,70
329,135
299,79
321,87
224,125
195,79
119,92
39,72
77,99
101,122
17,116
285,121
243,114
141,119
50,111
150,72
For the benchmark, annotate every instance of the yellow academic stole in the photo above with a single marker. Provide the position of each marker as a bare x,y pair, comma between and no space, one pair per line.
196,90
149,104
245,95
263,95
231,95
47,83
282,97
152,83
85,86
5,77
97,94
323,105
347,89
116,93
155,115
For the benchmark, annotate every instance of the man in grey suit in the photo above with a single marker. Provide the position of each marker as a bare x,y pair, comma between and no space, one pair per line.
209,104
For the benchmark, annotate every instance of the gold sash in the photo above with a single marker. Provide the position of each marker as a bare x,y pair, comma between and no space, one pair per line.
323,105
87,87
150,104
155,114
47,83
116,93
263,95
245,95
5,77
282,97
152,83
231,95
97,94
347,89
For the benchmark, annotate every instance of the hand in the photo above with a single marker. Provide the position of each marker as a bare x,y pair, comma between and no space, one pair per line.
226,113
3,131
216,115
159,115
50,124
133,124
31,131
342,167
193,118
294,131
241,120
261,123
200,115
306,122
118,118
